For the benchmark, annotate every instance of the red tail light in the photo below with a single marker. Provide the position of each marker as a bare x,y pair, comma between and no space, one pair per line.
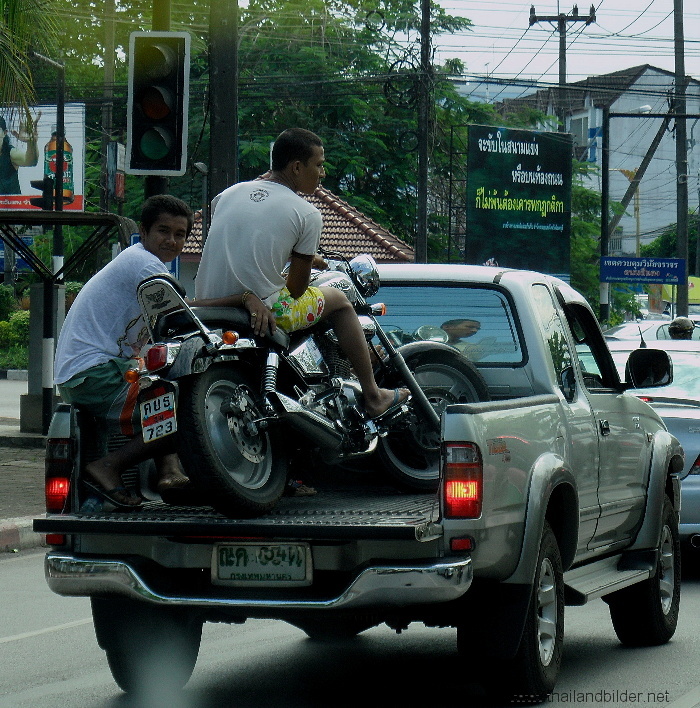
156,357
59,467
463,481
57,489
695,469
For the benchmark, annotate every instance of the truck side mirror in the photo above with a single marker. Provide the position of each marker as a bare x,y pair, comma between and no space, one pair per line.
648,367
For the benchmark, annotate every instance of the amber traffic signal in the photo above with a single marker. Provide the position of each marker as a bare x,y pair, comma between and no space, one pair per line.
159,70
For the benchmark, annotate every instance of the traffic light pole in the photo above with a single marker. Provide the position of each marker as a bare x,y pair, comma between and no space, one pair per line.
157,184
49,301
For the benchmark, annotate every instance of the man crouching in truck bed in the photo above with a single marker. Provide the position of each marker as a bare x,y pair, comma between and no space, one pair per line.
102,334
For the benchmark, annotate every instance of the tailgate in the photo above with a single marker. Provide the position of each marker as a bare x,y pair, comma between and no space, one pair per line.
332,514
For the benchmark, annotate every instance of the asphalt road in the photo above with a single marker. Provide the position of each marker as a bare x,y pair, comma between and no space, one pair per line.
51,659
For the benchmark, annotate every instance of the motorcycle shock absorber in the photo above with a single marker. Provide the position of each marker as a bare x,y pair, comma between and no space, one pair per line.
269,382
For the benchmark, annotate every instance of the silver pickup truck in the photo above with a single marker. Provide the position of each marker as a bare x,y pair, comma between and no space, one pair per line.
560,488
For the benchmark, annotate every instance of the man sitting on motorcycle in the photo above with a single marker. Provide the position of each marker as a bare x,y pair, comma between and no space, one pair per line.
103,333
258,227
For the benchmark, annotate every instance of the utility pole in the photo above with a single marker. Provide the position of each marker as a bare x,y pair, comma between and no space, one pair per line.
424,112
223,95
561,19
679,108
108,95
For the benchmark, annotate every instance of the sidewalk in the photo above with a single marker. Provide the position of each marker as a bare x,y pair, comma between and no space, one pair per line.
21,475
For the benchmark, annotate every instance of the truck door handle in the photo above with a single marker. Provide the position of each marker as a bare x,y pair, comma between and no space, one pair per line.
604,427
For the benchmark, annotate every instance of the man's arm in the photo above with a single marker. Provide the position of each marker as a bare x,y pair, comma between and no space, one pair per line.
299,273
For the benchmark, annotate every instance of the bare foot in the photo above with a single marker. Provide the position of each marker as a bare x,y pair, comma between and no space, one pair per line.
171,476
387,399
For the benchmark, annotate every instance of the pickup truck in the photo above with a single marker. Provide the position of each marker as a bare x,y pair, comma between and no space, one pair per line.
560,489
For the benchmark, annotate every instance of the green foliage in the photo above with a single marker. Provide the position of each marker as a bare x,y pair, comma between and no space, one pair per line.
19,327
6,337
13,356
7,301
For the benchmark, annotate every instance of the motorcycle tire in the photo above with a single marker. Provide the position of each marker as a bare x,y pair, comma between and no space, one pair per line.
239,467
410,457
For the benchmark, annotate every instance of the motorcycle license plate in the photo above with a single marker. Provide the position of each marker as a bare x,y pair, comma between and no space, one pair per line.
260,564
158,416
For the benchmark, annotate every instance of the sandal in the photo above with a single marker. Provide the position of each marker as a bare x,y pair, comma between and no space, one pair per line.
117,496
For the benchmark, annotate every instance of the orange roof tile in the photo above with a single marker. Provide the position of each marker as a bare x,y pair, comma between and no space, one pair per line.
345,230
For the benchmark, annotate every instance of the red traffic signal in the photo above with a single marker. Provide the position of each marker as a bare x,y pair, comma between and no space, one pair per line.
158,99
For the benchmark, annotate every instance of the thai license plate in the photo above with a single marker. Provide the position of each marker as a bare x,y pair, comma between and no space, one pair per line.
158,417
256,564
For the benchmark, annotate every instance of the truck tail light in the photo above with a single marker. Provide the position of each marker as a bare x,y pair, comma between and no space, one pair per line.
463,480
59,466
695,468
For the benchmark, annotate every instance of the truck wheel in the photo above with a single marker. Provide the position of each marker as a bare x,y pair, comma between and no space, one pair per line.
223,449
646,614
411,456
531,675
147,646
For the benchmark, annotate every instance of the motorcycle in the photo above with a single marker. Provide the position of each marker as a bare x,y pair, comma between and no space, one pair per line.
242,405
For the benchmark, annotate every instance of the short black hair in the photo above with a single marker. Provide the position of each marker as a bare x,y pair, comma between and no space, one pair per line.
294,144
459,321
158,204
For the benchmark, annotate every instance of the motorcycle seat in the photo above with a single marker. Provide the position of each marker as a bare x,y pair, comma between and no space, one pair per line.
236,318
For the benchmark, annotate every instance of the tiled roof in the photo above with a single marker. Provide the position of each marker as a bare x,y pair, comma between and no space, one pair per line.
345,230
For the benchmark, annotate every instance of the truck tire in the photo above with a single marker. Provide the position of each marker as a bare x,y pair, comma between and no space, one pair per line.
410,457
531,675
222,450
646,614
147,646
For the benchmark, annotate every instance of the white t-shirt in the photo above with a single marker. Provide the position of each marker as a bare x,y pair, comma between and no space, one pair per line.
255,227
105,322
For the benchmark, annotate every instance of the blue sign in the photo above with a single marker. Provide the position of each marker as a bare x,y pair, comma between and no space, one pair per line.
20,263
619,269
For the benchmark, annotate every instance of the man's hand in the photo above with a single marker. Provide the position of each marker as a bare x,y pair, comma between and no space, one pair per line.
262,319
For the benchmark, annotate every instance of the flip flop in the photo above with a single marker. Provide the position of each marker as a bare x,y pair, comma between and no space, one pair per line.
109,495
395,404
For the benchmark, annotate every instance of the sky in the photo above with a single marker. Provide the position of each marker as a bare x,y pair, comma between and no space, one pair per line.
626,33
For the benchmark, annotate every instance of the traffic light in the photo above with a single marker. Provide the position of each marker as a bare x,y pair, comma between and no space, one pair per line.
46,200
159,78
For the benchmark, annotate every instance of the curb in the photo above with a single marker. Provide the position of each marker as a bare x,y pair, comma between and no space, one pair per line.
14,374
17,535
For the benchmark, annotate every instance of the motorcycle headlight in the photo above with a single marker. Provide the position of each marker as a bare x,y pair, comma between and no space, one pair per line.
366,275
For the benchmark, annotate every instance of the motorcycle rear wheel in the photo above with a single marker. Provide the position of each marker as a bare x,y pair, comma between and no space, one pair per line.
411,457
225,452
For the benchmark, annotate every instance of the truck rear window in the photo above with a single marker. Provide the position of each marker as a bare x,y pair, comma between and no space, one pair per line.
477,321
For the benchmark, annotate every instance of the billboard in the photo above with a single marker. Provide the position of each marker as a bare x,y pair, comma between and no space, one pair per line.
518,198
24,159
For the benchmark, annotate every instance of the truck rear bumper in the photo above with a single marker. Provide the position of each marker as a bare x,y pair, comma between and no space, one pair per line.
378,586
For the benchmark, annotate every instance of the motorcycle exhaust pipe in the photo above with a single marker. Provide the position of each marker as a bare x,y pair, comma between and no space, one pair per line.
312,425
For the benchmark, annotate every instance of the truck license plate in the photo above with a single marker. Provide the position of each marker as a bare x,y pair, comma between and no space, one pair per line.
158,417
256,564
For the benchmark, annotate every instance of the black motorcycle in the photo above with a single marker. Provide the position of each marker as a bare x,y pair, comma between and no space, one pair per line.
243,405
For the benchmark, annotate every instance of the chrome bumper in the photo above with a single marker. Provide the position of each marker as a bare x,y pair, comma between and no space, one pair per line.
379,586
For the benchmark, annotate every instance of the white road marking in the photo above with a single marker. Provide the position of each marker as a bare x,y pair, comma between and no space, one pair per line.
46,630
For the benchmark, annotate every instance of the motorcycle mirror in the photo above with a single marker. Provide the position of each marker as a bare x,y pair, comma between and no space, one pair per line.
366,274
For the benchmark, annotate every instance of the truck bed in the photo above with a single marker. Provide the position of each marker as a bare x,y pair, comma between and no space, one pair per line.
336,512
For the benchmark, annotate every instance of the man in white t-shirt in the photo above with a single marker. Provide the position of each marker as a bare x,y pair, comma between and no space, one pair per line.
257,228
103,333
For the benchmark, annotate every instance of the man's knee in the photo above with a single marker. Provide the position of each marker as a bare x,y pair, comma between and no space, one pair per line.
335,301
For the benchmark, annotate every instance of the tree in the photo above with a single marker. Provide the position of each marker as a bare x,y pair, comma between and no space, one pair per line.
23,22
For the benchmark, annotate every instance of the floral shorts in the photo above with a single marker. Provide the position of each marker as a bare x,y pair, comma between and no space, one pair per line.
293,314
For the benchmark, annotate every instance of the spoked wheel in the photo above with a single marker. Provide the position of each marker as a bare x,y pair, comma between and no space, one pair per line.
411,455
225,447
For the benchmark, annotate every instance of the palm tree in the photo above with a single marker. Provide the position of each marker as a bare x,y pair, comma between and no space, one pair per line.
23,24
